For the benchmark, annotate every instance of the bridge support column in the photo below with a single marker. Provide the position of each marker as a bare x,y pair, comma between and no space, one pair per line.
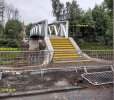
33,44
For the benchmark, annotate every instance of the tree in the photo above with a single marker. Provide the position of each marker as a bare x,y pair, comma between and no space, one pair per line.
12,43
11,12
109,32
8,11
57,9
102,23
73,10
1,31
12,32
2,11
28,28
12,29
109,4
73,13
88,32
16,14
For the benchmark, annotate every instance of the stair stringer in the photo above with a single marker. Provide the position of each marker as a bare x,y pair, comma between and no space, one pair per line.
48,58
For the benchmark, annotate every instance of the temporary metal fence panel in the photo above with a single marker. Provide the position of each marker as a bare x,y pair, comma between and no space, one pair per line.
36,60
99,78
100,54
99,57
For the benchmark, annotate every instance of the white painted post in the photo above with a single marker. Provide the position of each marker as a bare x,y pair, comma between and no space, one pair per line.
38,29
61,31
32,31
67,28
49,30
56,33
46,28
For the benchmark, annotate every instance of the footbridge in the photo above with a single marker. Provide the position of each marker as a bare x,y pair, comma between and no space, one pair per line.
56,39
63,48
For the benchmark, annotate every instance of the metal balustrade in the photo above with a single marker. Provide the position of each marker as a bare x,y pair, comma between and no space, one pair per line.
39,29
42,29
59,28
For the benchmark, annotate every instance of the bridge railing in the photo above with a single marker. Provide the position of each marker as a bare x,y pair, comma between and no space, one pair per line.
59,28
39,29
43,29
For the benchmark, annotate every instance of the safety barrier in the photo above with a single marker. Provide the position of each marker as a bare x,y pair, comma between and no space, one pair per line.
35,60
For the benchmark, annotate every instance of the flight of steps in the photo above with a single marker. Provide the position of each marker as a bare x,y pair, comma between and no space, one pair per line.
64,51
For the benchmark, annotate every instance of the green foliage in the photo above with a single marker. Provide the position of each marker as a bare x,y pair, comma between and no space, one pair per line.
57,9
109,4
3,42
99,28
73,11
12,29
13,43
10,33
102,25
101,19
74,14
28,28
9,43
88,32
1,31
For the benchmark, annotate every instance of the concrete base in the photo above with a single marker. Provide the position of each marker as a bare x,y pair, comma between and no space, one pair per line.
33,44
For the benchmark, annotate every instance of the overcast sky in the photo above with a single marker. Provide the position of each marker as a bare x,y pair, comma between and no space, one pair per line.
36,10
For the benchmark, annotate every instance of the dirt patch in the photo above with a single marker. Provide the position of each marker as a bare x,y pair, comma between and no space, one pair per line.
28,81
62,83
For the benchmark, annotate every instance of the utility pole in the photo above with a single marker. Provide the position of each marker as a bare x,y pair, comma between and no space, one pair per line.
2,8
